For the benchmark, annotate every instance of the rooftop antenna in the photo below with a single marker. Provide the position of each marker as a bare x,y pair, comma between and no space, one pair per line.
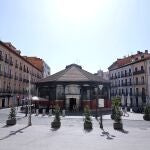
77,61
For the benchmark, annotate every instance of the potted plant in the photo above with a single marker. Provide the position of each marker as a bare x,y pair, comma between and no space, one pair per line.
117,114
87,120
115,103
12,116
117,120
113,113
147,113
56,122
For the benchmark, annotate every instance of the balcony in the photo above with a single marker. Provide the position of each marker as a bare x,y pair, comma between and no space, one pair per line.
5,91
10,76
1,73
138,72
16,65
16,78
139,83
11,63
20,78
1,58
24,69
6,75
20,67
6,60
122,75
25,80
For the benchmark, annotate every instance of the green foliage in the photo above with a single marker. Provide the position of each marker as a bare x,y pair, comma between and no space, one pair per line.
113,113
147,112
117,116
12,114
87,114
116,113
57,114
116,102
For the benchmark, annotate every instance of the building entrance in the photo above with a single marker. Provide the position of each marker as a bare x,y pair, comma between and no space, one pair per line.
3,102
72,106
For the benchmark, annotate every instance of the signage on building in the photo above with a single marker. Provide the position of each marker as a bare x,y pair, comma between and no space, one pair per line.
100,102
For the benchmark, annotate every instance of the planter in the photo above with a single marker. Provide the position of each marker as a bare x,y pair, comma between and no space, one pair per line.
11,122
88,125
56,124
146,117
118,126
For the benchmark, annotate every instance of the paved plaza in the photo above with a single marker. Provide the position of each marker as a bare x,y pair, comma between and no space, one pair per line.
72,136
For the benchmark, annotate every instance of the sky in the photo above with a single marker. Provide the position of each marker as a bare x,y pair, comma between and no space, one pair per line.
90,33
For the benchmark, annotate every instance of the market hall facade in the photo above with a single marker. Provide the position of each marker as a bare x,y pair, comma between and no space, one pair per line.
74,87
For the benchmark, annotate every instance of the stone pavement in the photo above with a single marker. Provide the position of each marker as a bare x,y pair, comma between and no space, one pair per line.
72,136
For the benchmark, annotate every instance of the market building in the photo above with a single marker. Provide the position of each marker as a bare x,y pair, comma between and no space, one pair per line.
74,87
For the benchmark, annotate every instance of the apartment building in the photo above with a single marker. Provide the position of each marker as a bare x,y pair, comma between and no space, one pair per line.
40,64
102,74
130,78
15,71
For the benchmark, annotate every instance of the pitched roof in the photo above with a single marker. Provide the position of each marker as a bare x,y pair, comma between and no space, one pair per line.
128,60
74,73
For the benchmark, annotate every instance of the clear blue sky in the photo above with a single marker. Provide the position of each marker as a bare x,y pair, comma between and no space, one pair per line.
92,33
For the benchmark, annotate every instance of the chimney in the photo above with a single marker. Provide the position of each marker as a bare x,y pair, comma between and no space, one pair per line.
146,51
138,52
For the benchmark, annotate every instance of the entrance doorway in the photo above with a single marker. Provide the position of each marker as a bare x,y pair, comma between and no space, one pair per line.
72,104
3,102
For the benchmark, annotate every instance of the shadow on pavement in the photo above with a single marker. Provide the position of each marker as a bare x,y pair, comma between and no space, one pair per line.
107,135
13,133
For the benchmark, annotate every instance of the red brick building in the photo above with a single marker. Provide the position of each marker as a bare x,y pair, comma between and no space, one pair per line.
40,64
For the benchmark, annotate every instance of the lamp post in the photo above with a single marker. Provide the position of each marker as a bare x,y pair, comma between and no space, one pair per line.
101,116
99,87
96,113
29,103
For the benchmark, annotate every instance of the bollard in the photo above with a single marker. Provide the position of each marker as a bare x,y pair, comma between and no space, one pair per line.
50,112
63,113
44,112
37,112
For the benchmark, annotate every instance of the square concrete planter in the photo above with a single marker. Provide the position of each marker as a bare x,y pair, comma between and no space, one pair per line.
117,126
55,124
11,122
88,125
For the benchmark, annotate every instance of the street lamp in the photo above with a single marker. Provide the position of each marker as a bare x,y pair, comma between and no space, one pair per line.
99,87
101,117
29,103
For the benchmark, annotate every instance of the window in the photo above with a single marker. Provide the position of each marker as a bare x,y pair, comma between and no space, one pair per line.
130,91
142,68
136,69
129,71
130,81
125,72
122,82
122,91
142,79
137,91
136,81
